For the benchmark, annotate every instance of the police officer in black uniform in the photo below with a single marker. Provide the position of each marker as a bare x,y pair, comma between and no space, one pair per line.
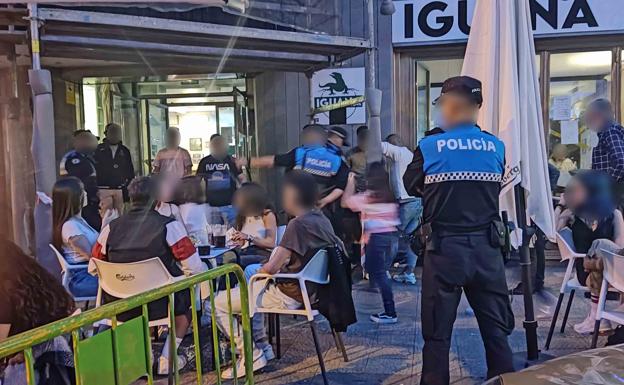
458,172
79,162
321,159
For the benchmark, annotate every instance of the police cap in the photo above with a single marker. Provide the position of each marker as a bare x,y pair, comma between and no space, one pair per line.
465,86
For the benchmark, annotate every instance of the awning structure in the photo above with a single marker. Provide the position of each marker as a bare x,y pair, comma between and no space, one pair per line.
120,44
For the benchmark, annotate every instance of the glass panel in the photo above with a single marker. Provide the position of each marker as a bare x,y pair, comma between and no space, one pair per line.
438,71
575,80
422,101
157,125
126,114
227,126
197,124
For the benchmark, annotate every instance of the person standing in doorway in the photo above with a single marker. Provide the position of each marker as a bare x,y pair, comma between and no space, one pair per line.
115,170
410,207
79,162
173,160
222,177
458,173
608,155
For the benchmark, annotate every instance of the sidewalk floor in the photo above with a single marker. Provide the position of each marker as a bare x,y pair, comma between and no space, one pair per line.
391,354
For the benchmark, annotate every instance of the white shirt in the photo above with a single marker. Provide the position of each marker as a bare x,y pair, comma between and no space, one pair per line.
401,157
194,220
113,148
73,227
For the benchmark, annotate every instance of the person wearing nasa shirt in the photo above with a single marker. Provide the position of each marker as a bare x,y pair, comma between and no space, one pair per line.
79,163
458,172
222,177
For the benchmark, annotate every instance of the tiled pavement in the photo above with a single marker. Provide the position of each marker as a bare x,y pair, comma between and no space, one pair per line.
391,354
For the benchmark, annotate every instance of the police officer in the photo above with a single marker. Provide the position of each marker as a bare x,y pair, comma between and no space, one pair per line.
114,168
458,173
319,158
79,163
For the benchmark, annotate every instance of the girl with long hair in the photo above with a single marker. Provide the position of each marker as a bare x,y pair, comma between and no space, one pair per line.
380,217
255,225
71,234
588,208
31,297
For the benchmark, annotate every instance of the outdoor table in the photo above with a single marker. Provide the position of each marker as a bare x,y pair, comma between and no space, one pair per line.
213,259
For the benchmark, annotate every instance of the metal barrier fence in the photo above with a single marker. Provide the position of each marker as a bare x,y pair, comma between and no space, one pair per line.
123,353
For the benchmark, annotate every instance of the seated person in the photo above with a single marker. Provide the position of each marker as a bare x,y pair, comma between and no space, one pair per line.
164,198
190,195
588,208
72,235
308,232
30,297
142,234
255,224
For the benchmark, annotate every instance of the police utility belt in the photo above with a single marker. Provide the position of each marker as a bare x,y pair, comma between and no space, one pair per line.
496,232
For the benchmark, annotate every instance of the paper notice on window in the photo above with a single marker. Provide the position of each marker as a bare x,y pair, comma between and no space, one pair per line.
562,108
569,132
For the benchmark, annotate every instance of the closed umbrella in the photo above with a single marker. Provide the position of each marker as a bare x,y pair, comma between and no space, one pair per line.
501,54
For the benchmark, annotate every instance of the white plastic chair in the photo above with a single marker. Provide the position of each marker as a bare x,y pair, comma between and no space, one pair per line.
315,271
123,280
570,282
612,277
280,234
67,270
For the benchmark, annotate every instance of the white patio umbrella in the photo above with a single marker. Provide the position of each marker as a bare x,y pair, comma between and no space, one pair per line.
501,54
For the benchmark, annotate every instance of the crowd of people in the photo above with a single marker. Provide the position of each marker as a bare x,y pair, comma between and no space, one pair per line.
368,212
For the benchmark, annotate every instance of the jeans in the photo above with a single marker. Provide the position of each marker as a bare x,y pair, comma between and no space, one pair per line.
251,270
267,296
380,251
409,215
83,284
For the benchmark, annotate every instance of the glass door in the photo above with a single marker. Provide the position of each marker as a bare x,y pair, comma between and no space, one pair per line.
576,79
241,122
157,122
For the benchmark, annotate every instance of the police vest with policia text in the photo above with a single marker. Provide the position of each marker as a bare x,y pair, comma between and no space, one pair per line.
464,153
317,160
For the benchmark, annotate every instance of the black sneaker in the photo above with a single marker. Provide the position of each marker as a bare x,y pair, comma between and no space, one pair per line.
383,318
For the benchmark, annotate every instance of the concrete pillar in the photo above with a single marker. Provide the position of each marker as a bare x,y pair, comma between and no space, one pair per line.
17,189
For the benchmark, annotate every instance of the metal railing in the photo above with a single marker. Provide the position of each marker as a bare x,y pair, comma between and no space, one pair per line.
24,342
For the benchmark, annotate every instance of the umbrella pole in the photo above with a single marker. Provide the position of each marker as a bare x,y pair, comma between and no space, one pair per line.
530,324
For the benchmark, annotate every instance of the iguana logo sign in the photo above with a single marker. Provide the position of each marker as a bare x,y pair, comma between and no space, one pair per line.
332,86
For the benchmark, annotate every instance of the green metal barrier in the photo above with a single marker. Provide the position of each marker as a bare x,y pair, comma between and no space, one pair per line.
122,354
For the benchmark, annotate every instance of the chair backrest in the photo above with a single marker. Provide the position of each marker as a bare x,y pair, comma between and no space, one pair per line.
613,269
124,280
565,243
280,234
60,258
316,269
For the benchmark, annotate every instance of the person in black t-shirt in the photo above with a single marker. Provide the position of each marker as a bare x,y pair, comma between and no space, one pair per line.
222,177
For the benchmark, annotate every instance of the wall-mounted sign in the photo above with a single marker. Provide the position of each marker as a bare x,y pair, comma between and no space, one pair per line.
438,21
334,85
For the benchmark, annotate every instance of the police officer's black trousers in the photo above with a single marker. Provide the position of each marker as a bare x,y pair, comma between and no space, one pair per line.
465,261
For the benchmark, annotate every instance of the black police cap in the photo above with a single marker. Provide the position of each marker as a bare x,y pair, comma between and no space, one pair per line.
463,85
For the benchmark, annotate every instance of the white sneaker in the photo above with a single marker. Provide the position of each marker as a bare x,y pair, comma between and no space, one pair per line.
163,365
268,352
259,362
405,278
587,327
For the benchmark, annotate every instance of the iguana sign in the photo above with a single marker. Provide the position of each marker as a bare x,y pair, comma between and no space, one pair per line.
337,96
